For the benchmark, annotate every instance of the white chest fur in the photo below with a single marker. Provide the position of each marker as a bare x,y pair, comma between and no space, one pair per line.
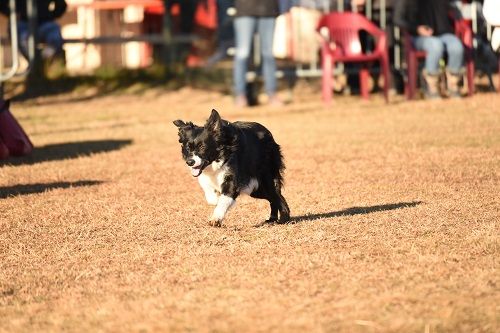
212,177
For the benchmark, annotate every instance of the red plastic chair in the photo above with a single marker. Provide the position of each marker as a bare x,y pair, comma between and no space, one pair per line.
464,33
343,45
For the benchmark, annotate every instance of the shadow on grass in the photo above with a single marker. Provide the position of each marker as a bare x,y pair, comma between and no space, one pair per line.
23,189
354,211
68,150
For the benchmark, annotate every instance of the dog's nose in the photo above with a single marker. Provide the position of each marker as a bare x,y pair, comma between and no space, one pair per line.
190,162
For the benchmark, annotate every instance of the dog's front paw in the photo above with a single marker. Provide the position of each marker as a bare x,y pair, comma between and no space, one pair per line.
215,223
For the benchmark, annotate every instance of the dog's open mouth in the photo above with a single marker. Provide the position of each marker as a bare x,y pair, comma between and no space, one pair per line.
196,171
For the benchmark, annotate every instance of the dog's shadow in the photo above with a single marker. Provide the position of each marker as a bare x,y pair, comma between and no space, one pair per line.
24,189
349,212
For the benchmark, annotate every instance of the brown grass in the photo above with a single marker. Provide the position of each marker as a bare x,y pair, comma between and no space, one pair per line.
396,209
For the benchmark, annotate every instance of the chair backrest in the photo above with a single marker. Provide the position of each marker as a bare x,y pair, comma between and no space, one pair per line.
343,29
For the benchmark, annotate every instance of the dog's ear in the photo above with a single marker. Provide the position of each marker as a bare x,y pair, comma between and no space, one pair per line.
214,122
179,123
182,129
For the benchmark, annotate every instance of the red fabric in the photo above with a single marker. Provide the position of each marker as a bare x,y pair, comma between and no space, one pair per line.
11,133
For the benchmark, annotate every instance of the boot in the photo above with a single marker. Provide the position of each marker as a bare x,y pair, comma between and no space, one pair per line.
431,86
452,81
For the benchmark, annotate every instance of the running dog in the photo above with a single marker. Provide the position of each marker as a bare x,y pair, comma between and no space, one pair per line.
234,158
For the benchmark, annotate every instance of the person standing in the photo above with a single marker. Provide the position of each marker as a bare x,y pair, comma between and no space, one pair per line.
251,16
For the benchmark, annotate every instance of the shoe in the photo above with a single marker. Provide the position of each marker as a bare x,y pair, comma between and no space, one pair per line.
452,81
431,86
241,101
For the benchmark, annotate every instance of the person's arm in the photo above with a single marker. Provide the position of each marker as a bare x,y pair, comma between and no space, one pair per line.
59,8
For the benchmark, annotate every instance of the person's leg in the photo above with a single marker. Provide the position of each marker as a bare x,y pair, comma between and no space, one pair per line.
244,28
455,51
50,34
266,29
434,48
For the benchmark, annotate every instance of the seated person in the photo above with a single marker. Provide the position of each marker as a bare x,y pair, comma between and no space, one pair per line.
48,31
429,23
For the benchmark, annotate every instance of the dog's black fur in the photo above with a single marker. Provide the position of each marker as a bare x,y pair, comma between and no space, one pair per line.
245,152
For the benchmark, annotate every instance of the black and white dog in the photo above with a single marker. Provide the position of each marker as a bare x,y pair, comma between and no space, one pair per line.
234,158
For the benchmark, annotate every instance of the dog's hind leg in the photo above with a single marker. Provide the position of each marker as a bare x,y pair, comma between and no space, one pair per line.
277,170
278,204
275,204
273,196
266,191
283,205
284,210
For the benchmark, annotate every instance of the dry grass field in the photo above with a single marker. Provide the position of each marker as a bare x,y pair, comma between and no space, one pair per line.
395,220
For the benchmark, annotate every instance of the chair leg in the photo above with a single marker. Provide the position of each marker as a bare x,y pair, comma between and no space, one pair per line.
327,78
387,77
470,78
364,77
412,76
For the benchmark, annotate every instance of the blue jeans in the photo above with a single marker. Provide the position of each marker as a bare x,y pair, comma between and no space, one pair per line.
244,28
48,33
435,46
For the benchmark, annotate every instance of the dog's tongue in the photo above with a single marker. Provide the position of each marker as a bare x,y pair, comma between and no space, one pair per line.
195,172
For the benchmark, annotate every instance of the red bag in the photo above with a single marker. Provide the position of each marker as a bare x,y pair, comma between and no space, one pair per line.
12,134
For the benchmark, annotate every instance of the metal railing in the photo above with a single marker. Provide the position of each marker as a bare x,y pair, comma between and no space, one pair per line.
13,71
4,76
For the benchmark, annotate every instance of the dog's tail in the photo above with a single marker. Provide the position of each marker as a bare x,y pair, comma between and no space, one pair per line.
277,166
279,170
